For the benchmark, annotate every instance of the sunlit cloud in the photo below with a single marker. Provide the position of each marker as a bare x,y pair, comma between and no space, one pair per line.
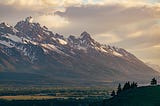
40,4
52,21
108,37
135,34
157,46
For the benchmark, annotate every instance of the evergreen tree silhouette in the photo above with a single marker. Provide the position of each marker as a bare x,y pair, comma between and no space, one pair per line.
113,93
134,85
126,86
153,81
119,89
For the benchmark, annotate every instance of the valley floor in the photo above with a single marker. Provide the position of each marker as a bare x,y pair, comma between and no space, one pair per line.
141,96
52,96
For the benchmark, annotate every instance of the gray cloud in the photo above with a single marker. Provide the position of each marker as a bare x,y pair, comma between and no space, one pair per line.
100,19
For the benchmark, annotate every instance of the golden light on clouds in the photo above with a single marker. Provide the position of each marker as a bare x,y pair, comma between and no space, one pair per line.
54,21
112,37
42,3
135,34
157,46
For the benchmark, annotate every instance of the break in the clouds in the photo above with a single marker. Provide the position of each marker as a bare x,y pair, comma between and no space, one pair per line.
131,24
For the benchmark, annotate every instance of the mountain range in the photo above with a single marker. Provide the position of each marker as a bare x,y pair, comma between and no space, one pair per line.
32,54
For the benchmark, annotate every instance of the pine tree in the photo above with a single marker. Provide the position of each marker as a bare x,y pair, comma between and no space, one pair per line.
119,89
134,85
153,81
113,93
126,86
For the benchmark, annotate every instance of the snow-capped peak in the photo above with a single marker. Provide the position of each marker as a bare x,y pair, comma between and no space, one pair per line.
5,28
3,24
29,19
86,40
33,31
85,35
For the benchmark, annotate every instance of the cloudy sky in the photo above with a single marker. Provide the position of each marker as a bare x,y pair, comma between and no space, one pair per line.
130,24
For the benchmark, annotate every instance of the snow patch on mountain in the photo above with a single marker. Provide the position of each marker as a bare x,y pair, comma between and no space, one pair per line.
6,24
61,41
27,51
52,48
101,49
29,19
81,48
27,41
13,38
53,38
117,54
8,44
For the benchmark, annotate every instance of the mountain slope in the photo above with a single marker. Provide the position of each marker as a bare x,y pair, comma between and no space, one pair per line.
29,48
154,66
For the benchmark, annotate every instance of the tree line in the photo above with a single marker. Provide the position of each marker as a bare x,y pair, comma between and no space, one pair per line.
129,85
126,86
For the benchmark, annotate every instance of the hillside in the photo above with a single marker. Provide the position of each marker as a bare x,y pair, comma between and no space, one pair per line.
142,96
